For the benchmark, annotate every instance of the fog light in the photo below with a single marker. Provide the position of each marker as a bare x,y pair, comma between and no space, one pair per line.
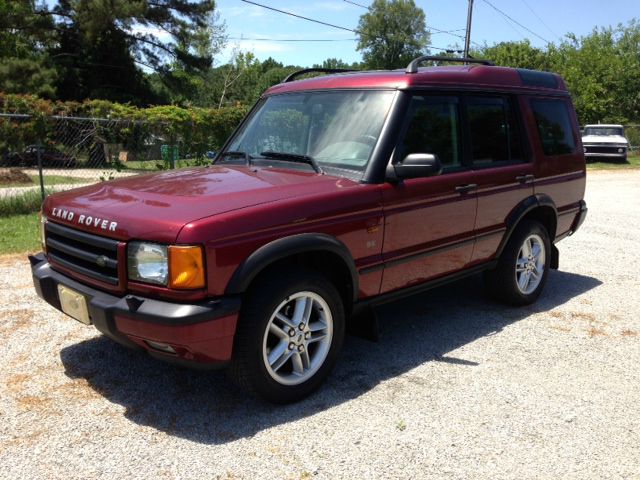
162,347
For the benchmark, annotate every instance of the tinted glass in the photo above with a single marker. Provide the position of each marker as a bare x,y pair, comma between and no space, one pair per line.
434,127
554,126
494,137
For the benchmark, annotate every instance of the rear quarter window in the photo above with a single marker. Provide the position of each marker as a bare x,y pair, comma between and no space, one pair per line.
554,126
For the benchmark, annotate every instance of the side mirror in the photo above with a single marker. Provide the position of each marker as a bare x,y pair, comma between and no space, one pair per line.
415,165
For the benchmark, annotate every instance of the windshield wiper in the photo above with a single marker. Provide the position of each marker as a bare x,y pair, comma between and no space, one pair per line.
293,157
234,153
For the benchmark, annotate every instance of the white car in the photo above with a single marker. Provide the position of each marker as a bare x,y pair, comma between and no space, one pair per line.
606,141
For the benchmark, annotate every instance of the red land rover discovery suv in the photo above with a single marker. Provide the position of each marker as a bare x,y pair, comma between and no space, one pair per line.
336,193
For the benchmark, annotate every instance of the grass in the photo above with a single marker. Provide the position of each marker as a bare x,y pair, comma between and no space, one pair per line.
19,233
21,204
633,161
157,165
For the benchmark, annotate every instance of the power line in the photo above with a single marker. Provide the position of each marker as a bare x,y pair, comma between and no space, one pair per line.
435,30
448,50
357,4
294,39
515,21
541,20
300,16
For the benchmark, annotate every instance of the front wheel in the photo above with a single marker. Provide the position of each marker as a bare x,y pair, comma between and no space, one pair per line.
523,267
290,333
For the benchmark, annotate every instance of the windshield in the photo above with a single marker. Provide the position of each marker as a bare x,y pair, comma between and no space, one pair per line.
603,131
337,129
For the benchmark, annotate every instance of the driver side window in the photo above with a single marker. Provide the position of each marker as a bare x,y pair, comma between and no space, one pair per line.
434,127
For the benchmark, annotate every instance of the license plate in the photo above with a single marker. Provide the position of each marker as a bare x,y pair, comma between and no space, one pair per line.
74,304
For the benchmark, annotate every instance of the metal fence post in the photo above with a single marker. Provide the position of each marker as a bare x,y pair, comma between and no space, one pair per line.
39,156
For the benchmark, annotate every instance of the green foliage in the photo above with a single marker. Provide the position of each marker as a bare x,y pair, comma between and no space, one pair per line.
21,203
195,130
515,55
24,64
392,33
602,70
79,49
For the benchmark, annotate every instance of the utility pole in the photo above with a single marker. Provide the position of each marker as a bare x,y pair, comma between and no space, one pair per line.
467,38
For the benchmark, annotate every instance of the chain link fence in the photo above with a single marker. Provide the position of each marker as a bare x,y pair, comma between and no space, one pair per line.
57,153
47,154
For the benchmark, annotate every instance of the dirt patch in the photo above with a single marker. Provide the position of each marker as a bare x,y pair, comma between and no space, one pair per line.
14,176
16,319
629,333
589,317
595,332
15,383
11,259
30,402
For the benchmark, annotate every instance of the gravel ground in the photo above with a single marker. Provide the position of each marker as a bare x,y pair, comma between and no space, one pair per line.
458,387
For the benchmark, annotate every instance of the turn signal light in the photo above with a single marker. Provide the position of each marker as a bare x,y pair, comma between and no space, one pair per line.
186,268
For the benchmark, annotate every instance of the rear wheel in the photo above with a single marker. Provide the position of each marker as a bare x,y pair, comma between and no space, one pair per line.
290,333
522,269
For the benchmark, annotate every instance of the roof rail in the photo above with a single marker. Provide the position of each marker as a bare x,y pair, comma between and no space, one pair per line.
413,66
291,77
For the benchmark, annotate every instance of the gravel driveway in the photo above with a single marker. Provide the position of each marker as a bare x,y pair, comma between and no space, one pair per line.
458,387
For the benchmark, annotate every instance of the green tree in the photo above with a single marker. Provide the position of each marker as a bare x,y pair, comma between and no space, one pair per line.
24,64
102,46
392,33
602,71
515,54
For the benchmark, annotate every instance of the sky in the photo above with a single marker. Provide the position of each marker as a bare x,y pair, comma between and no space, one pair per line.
540,21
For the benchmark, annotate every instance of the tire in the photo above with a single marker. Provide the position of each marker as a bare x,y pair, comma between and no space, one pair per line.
523,267
290,332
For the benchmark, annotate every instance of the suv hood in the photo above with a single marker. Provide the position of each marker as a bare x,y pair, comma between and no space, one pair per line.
157,206
613,139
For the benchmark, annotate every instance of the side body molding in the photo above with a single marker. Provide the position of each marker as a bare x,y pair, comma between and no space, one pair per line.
287,247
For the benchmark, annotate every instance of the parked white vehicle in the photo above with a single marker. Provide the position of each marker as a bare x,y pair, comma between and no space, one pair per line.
605,141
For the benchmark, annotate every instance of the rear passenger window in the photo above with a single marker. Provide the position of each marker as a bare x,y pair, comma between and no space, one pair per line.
554,126
494,136
434,127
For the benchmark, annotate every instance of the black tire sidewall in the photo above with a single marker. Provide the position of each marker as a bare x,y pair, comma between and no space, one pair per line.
261,303
502,282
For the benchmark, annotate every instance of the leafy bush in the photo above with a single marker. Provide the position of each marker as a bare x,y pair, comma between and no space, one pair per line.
195,130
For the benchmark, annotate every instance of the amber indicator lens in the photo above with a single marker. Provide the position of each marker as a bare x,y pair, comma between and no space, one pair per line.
186,269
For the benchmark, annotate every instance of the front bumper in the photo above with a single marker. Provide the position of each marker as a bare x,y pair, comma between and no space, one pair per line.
200,334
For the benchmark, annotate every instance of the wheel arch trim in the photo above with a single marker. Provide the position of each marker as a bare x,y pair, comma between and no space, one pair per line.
290,246
525,207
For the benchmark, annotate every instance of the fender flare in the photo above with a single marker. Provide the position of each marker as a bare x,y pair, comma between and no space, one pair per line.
285,247
521,210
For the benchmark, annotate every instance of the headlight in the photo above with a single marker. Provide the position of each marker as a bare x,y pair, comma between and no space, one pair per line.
148,262
43,240
174,266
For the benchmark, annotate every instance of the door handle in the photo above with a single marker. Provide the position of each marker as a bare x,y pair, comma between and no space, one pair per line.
466,188
525,178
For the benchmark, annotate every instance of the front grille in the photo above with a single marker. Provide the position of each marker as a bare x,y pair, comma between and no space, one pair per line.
90,255
601,149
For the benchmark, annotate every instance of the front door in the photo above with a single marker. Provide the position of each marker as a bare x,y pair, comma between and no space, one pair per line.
429,222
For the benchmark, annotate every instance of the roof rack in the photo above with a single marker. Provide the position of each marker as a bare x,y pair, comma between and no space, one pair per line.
413,66
291,77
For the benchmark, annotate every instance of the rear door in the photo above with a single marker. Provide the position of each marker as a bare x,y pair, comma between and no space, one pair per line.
500,159
429,222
